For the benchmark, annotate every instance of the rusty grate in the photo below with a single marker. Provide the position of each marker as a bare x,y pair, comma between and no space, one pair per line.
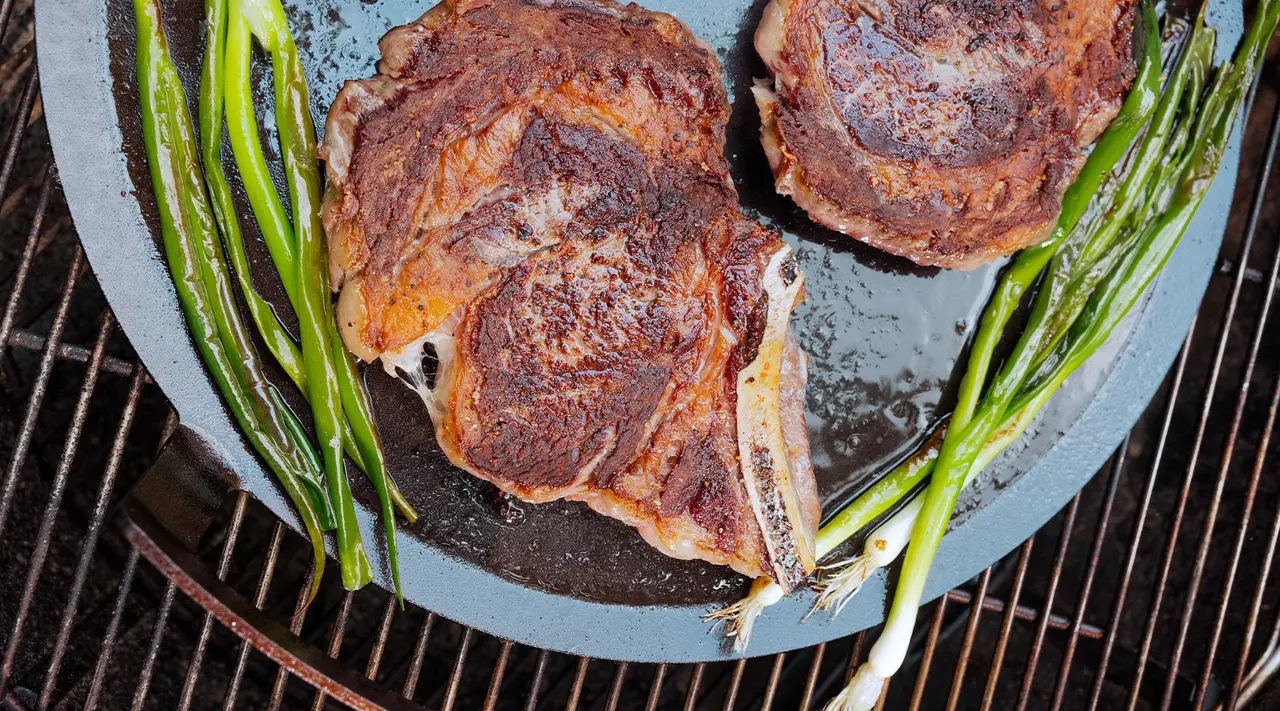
1149,591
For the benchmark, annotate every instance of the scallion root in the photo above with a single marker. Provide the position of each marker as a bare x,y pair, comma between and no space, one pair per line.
883,546
836,589
741,615
862,692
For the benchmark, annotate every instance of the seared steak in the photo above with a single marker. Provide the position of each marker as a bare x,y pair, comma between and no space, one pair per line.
944,131
537,189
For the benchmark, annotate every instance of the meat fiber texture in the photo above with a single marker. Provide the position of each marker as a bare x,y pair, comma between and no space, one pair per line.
943,131
537,189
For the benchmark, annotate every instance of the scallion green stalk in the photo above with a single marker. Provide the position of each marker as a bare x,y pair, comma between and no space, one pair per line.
340,403
202,281
1026,269
1114,297
299,250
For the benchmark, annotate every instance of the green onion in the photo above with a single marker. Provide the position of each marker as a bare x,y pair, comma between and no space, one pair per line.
884,494
242,127
272,331
331,379
1090,253
269,327
1110,148
1108,304
203,282
841,581
297,249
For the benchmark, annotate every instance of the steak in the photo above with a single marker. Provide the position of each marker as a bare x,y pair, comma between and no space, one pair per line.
537,190
944,131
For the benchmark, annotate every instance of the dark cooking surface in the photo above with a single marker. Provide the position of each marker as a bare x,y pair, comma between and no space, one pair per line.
882,334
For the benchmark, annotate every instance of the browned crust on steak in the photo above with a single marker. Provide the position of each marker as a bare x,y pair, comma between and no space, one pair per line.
538,188
944,131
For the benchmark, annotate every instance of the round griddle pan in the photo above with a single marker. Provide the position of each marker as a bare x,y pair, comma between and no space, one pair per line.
884,337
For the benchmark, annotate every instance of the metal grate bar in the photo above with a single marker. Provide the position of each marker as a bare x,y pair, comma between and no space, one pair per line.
90,544
695,680
224,565
35,565
36,399
1233,432
1144,508
615,688
771,688
259,600
1006,624
419,653
295,626
380,643
731,696
855,656
579,678
113,629
655,687
1024,613
336,635
535,684
157,638
1064,539
926,658
6,10
811,681
24,264
27,340
1091,569
455,676
18,125
495,681
971,631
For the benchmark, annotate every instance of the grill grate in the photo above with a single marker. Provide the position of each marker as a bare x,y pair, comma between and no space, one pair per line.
1149,591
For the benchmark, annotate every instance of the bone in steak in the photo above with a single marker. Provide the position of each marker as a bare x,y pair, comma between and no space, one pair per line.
537,189
944,131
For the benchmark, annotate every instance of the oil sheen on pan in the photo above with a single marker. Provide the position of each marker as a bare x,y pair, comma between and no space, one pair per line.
882,335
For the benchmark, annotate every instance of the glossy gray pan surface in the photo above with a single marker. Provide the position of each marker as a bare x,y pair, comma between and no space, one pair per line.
883,335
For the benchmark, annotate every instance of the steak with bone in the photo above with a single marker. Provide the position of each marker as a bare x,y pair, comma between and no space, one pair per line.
944,131
537,189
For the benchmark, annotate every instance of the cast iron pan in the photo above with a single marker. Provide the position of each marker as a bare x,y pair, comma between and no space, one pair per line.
883,336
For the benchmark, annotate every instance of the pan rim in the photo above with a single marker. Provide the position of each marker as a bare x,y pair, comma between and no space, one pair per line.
80,107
